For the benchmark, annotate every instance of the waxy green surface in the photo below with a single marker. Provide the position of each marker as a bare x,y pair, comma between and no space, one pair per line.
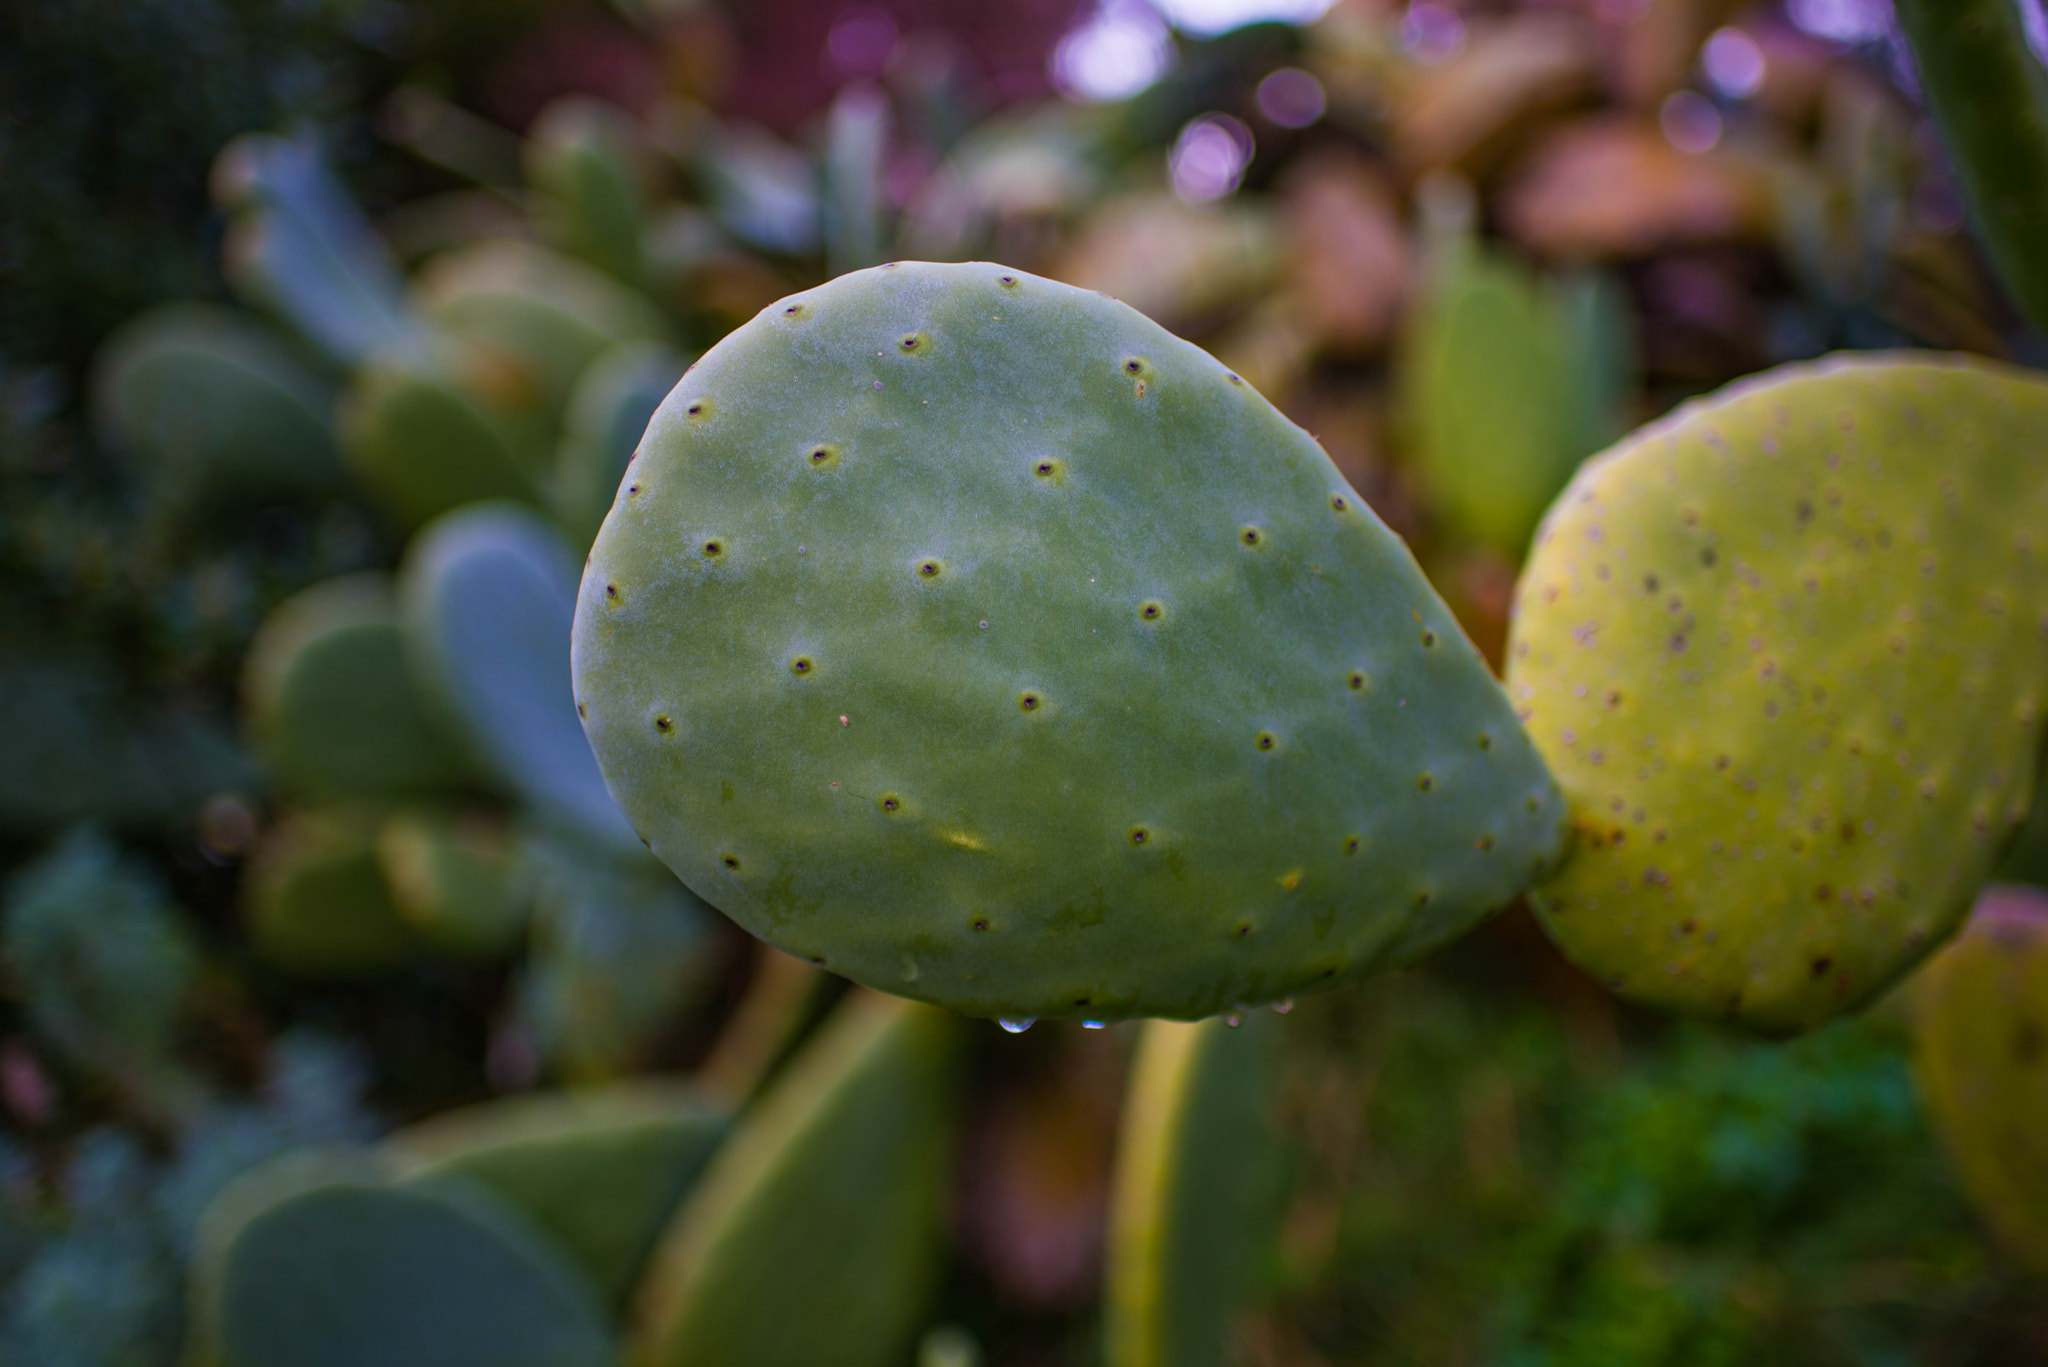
973,636
1787,652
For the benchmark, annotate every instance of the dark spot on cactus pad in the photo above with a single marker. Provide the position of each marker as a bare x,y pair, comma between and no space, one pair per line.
928,569
1708,557
664,724
1046,468
582,711
1821,966
911,342
1266,740
891,802
611,591
1028,701
1422,898
1249,535
1139,835
1355,680
1339,502
1429,638
1613,698
1135,365
714,548
731,861
1008,282
981,923
1802,511
698,408
1484,844
1244,928
802,664
1352,843
1485,741
632,488
823,455
2027,1042
1649,583
1151,610
1235,379
1425,782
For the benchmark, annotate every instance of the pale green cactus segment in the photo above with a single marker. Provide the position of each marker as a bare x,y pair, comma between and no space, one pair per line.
829,1197
1980,1011
215,408
301,247
1508,383
315,901
973,636
1193,1193
330,702
599,1170
614,400
1785,651
420,445
344,1273
545,314
488,595
580,160
456,878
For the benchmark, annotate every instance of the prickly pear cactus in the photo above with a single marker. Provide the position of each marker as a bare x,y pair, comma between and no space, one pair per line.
488,594
579,159
420,445
343,1273
315,900
614,400
1785,652
546,314
456,878
1193,1184
972,635
330,701
829,1197
1981,1056
215,407
599,1170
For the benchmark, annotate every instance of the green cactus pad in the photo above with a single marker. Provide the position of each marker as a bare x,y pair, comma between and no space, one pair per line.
330,702
456,878
1980,1013
343,1274
488,595
545,313
1193,1187
217,407
1784,651
614,400
420,445
600,1171
972,635
579,158
315,900
1508,384
816,1235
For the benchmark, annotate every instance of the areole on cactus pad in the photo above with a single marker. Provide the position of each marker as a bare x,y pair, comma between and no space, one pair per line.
972,635
1787,652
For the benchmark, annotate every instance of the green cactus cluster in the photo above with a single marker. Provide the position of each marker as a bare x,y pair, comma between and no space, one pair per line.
971,635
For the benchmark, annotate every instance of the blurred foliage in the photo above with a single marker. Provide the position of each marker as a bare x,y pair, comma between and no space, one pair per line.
466,247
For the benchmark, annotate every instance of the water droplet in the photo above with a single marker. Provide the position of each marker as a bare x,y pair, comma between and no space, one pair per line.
1284,1005
1091,1025
1017,1025
1234,1019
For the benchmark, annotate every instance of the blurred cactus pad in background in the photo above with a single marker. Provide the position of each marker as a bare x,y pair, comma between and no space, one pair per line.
1373,671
